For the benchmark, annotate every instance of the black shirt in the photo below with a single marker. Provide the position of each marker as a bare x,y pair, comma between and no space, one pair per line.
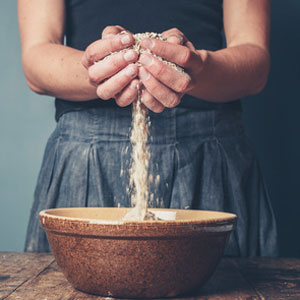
200,20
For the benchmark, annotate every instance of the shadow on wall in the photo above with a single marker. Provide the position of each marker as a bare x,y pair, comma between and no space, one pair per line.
272,122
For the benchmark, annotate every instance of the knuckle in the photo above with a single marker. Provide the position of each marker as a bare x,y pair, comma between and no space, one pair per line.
159,109
179,32
116,61
84,61
155,106
120,82
173,29
110,31
173,101
182,85
147,100
92,75
103,93
161,48
186,56
113,44
170,31
109,28
176,30
123,101
91,51
152,103
156,91
160,69
120,28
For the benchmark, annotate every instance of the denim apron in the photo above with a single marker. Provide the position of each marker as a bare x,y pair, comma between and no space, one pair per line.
203,158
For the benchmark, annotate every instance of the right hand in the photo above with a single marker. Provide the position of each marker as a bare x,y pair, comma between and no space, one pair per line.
116,76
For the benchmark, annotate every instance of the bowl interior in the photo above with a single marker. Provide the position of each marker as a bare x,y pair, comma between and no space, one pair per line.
117,214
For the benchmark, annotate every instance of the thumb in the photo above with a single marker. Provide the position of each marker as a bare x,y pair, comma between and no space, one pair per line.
111,31
175,39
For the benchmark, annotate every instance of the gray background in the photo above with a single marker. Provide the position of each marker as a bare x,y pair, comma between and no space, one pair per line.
271,118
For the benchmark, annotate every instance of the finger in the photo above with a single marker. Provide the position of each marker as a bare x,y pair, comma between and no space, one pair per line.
178,54
169,76
111,65
151,103
101,48
128,94
159,91
116,83
110,31
175,39
174,36
190,46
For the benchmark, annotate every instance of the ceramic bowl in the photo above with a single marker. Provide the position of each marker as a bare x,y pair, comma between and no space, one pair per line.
101,254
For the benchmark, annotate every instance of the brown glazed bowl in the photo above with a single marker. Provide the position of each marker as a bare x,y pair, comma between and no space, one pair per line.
101,254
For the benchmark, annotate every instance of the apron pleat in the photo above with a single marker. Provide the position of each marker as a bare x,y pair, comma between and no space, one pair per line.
199,160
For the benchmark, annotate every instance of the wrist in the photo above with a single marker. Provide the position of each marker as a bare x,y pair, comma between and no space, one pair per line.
196,73
204,56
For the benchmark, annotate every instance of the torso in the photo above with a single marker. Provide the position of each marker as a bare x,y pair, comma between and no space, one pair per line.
200,20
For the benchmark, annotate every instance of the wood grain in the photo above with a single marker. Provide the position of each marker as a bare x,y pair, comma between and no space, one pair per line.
226,283
49,285
272,278
37,276
17,268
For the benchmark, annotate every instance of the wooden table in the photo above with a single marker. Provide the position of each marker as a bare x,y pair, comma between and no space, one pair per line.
36,276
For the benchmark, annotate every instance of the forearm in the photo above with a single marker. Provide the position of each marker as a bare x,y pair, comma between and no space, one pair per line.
231,73
56,70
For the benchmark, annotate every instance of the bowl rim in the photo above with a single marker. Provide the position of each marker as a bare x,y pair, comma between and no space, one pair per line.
134,229
223,218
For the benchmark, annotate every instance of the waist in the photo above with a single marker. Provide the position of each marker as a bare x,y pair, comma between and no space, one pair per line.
113,124
189,102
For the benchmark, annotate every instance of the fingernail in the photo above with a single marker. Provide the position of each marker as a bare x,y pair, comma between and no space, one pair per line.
175,39
148,43
125,39
131,71
146,60
129,56
134,85
144,74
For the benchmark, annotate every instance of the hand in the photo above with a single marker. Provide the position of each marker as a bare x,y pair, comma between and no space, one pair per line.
164,85
115,76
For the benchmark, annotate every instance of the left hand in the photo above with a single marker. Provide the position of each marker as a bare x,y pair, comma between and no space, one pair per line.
114,77
164,85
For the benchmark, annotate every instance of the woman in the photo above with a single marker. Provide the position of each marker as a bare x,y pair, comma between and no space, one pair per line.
198,145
